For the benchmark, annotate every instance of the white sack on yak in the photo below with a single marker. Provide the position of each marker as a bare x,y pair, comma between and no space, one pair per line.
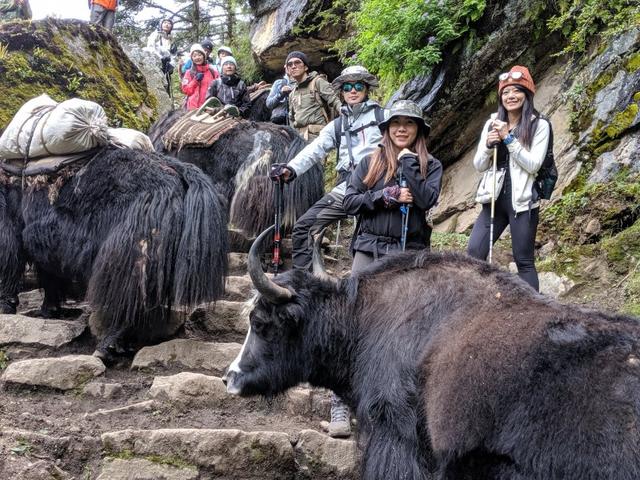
48,128
130,138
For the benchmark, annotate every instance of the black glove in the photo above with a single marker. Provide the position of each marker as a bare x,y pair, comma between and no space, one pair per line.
277,171
199,76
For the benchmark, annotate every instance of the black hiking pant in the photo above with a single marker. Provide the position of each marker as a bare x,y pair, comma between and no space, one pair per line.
523,228
324,212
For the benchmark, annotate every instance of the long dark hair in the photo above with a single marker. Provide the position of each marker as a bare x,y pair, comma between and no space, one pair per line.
526,128
385,159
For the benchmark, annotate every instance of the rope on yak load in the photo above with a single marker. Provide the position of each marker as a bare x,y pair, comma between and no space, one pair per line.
199,130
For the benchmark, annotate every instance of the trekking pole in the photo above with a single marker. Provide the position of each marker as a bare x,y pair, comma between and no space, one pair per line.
278,227
405,209
170,88
338,233
493,202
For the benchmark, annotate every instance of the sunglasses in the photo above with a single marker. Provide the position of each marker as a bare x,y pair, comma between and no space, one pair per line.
515,75
295,63
358,86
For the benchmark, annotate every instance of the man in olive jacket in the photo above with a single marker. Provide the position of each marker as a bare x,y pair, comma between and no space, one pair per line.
312,102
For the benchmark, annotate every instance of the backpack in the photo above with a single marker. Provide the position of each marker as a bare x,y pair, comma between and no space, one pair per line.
337,129
318,98
548,174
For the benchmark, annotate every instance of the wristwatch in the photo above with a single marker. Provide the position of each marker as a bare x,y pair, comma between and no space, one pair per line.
508,139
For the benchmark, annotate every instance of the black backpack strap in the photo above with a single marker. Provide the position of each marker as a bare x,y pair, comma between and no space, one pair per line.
379,113
337,131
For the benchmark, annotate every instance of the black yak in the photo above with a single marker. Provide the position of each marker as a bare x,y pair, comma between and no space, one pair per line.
239,163
456,370
140,232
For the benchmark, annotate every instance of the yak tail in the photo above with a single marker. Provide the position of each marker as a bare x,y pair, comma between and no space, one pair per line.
204,240
169,249
12,258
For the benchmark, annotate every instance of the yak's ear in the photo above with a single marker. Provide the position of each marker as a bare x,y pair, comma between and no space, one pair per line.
291,313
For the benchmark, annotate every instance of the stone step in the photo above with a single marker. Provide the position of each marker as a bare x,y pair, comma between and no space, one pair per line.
224,321
39,332
62,373
238,288
237,263
142,469
187,354
188,390
236,454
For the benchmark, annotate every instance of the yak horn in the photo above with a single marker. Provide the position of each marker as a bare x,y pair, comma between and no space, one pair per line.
318,264
265,286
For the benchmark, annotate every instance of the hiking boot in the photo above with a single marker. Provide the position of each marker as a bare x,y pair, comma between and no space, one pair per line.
232,110
340,425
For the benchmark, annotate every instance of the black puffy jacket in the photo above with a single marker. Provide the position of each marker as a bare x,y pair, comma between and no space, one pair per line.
380,227
231,90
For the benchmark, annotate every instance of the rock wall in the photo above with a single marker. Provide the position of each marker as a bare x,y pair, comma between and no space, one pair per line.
281,26
70,58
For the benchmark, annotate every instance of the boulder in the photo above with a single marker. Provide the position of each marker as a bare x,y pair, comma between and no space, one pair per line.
63,373
223,320
18,329
149,65
225,453
141,469
280,27
321,456
191,354
238,288
554,285
71,58
190,390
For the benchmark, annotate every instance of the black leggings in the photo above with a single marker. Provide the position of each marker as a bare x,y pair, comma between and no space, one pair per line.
523,228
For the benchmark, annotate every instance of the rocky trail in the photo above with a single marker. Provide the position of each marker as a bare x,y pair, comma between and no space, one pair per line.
163,414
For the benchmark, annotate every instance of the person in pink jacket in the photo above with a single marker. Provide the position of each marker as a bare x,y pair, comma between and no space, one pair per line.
197,79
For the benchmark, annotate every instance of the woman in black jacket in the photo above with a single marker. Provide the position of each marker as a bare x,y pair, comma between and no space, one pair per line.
400,178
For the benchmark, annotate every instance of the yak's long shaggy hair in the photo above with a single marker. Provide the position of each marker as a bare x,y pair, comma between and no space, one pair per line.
457,370
239,163
12,261
259,111
143,232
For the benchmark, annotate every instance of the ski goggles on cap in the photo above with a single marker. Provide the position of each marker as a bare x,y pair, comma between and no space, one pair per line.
515,75
358,86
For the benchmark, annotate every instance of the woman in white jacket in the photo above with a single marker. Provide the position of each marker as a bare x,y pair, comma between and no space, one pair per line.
521,137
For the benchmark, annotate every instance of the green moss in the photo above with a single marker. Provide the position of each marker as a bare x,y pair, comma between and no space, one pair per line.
66,59
4,359
633,62
632,294
170,461
623,250
125,454
612,204
449,241
622,121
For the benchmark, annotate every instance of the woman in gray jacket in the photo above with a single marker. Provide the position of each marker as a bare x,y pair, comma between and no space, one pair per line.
521,137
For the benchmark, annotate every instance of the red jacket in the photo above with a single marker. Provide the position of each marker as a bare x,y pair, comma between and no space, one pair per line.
196,91
107,4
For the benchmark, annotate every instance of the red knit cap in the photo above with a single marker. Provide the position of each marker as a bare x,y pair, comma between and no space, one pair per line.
524,81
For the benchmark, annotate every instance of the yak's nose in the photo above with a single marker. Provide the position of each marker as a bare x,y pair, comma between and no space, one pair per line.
224,377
